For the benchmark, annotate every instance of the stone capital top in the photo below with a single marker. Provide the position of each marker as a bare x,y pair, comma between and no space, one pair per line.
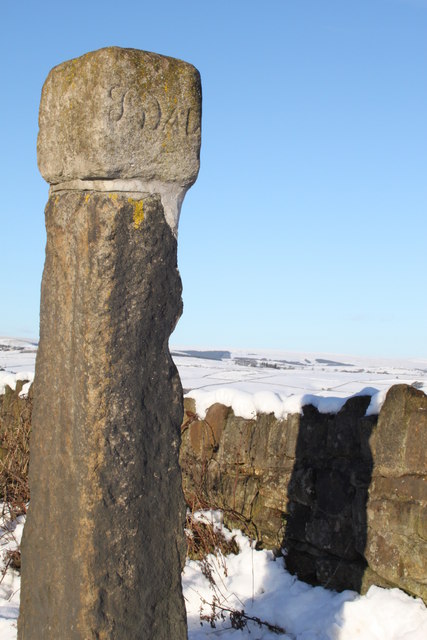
120,114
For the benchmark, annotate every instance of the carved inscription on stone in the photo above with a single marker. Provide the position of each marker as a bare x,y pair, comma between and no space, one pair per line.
126,103
148,112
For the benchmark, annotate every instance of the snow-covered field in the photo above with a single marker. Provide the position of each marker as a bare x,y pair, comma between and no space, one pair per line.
255,581
271,380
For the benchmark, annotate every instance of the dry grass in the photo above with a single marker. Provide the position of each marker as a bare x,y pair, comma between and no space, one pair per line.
15,427
204,539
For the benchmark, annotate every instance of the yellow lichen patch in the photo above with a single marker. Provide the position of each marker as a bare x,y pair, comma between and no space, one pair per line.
138,212
87,196
113,196
166,87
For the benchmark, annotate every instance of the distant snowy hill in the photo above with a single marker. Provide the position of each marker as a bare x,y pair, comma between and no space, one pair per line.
288,372
283,381
284,374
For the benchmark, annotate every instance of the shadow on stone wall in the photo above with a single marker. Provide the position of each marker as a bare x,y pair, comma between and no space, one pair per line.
326,520
345,494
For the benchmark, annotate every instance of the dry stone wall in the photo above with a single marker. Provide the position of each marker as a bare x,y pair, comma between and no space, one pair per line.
345,495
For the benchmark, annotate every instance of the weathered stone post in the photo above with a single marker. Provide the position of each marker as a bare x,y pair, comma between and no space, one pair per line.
103,546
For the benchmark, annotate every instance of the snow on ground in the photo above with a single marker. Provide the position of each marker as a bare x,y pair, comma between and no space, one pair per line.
257,582
10,538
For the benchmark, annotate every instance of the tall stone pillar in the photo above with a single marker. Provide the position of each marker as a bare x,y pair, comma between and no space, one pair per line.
103,545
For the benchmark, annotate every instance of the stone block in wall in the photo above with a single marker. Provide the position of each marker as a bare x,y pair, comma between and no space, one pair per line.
215,418
422,522
399,516
412,488
345,435
399,440
397,506
302,486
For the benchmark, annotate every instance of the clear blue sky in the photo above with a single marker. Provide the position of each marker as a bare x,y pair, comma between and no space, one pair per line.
307,227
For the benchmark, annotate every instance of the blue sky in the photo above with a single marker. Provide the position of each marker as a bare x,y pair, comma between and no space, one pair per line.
307,227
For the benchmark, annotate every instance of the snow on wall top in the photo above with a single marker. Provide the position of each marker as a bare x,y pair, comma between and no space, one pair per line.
247,405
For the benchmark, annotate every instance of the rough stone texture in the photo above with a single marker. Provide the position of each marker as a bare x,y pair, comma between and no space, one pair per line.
345,494
106,501
104,545
120,113
397,509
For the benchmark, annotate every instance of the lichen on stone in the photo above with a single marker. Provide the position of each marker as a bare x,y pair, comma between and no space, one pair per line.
138,212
